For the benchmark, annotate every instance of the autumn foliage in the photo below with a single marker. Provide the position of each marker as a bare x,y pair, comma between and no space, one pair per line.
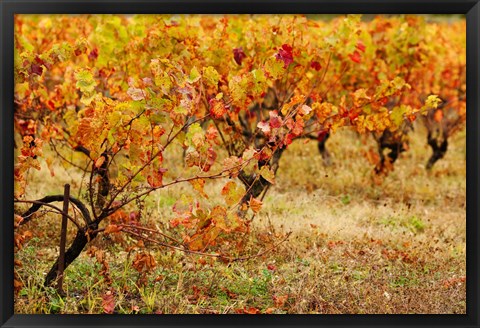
126,94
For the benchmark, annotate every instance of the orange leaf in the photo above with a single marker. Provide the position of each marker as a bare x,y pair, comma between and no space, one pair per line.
155,180
99,161
217,108
280,300
269,310
438,116
255,204
196,243
251,310
372,157
144,262
112,228
17,284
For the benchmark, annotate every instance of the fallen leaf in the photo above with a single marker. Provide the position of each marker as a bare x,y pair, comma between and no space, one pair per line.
108,302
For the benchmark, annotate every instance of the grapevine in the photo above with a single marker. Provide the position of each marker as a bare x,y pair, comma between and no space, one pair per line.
117,98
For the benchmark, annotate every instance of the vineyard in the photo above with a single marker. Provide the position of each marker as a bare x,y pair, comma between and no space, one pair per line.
251,164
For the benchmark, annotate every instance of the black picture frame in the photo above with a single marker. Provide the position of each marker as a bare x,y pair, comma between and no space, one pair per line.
8,8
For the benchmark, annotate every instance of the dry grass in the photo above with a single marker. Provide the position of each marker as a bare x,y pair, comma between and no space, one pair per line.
356,247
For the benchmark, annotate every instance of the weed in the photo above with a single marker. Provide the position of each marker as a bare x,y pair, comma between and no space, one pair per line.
345,199
416,225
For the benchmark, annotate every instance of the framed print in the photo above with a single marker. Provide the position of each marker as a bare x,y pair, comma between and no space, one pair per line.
187,163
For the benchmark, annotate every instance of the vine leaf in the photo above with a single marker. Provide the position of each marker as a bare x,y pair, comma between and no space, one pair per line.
285,54
233,193
267,174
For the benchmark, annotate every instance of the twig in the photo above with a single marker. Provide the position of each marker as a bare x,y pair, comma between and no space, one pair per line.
150,230
228,258
49,199
28,215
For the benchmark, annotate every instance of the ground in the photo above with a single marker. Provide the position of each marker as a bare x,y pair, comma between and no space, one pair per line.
395,246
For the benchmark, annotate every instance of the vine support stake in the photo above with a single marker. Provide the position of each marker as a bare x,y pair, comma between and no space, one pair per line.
63,240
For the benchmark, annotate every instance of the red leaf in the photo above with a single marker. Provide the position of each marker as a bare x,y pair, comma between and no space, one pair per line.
285,54
355,57
315,65
51,105
210,160
352,115
288,139
93,54
238,55
275,120
36,69
383,101
133,216
108,302
360,46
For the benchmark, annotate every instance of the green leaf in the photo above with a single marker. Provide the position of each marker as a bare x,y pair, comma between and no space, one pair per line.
248,153
194,75
85,81
233,193
398,84
274,67
211,76
259,81
87,98
195,136
180,110
62,51
397,114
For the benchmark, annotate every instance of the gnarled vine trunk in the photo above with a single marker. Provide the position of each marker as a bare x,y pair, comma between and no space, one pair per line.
256,186
392,142
439,147
327,159
82,238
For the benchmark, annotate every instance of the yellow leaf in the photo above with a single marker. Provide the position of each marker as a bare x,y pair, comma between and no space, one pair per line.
198,185
267,174
99,161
